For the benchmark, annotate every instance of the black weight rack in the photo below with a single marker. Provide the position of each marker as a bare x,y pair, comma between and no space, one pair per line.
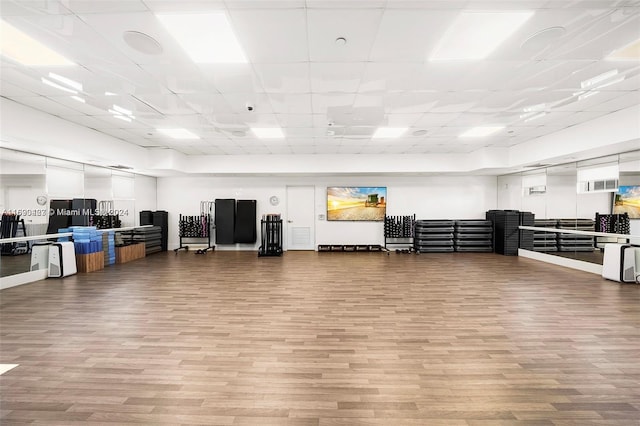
10,226
398,233
271,235
197,227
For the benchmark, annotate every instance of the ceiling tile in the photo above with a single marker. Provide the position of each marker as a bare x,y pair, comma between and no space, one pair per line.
325,26
332,103
272,36
409,35
284,78
291,103
336,77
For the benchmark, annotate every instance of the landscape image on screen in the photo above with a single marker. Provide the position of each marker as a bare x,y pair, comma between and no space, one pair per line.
627,200
356,203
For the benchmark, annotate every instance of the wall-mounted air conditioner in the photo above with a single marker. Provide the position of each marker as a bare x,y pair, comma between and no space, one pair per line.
600,185
537,190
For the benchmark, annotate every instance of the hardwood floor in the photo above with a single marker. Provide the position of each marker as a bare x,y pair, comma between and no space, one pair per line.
228,338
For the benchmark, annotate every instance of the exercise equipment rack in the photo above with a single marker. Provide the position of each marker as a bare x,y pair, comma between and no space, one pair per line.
197,227
271,230
9,227
399,232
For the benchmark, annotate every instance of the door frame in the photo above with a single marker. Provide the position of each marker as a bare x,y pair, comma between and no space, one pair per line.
313,218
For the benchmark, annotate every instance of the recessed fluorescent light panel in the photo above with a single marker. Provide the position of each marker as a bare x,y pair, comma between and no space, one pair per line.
268,132
123,118
205,37
21,48
122,110
481,132
535,116
178,133
630,52
594,81
474,35
57,86
66,81
389,132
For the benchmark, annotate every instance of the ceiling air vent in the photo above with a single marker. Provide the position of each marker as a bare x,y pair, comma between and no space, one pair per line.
121,167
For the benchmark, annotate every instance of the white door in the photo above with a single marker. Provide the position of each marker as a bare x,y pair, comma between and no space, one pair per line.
300,217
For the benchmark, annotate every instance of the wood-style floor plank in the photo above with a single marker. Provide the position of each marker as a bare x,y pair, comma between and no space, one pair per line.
322,339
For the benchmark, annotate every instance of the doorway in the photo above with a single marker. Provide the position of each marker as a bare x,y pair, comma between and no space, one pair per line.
301,217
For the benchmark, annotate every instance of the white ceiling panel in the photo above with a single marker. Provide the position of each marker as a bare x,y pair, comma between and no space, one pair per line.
179,77
104,6
206,103
47,104
239,103
10,90
409,35
336,77
284,78
414,102
300,119
332,103
617,103
232,78
325,26
292,103
33,7
272,36
184,6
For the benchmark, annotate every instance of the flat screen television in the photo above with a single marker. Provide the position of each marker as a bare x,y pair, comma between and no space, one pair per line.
356,203
627,200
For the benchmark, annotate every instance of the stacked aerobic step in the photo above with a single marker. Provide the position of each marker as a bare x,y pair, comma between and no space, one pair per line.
573,242
433,236
109,247
86,239
473,236
151,237
545,241
505,231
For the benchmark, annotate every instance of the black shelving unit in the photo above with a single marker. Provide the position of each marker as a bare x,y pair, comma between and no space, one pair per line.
398,233
271,235
611,223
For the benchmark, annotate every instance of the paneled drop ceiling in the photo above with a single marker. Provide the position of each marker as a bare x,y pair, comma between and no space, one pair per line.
328,97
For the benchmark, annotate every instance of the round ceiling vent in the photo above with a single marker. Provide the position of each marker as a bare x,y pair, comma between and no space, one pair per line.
142,42
419,133
239,133
543,38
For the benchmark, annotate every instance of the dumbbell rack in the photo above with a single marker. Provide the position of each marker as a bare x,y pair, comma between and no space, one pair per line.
398,233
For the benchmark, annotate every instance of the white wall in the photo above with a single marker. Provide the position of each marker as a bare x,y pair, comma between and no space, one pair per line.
145,191
450,197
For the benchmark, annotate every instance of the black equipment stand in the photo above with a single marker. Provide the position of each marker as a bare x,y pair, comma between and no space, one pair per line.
197,227
271,230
